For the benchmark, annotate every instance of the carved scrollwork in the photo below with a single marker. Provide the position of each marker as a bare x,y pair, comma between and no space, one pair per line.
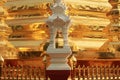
29,7
88,7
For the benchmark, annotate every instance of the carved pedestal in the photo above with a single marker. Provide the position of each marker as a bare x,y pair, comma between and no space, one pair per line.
58,69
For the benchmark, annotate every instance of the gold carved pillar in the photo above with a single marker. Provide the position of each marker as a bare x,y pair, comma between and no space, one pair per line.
113,15
7,50
114,28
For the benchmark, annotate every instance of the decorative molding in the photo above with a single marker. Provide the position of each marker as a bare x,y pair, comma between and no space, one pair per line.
28,7
25,21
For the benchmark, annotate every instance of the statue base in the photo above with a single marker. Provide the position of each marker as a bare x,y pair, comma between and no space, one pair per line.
58,69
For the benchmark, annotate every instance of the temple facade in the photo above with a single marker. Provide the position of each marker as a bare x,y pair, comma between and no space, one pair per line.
94,23
59,39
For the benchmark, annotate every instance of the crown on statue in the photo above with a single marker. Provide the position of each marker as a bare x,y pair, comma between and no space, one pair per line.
58,7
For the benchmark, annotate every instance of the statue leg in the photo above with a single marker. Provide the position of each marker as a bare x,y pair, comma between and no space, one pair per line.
65,36
52,36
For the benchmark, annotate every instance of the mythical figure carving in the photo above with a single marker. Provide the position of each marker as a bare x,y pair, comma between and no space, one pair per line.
58,21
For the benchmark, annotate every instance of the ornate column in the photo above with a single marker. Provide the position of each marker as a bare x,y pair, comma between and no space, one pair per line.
58,22
114,20
114,27
6,49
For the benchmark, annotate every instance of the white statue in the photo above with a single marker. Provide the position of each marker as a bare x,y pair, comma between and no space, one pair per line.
58,21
